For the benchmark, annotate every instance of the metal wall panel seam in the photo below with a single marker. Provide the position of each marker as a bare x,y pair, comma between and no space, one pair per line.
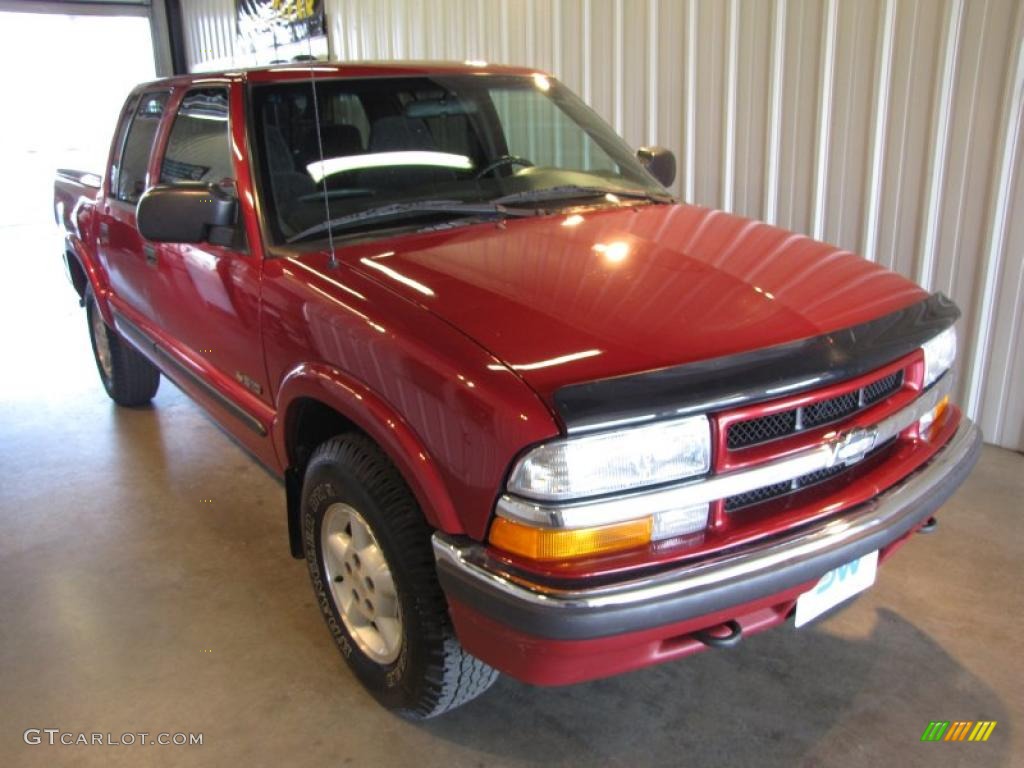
728,180
828,56
898,194
189,21
771,184
478,52
556,38
883,84
396,28
587,77
690,152
653,82
505,43
585,34
202,55
228,40
1017,307
618,73
1013,100
999,437
355,48
791,133
961,190
940,143
531,29
416,40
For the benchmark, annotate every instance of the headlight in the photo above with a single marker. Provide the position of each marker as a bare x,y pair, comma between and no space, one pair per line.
939,354
590,465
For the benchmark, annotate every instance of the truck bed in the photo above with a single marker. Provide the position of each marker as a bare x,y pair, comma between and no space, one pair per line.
71,190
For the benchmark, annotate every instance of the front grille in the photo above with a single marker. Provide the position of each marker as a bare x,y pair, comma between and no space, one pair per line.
762,430
830,410
758,495
751,432
884,387
781,489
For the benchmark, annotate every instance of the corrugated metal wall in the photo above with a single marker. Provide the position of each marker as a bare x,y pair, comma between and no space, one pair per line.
889,127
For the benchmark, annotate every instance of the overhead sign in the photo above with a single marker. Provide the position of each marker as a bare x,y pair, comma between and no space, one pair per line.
270,24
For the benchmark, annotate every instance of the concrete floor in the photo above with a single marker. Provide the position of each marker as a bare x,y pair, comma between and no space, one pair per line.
128,603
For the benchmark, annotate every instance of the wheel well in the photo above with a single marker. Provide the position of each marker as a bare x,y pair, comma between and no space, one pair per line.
308,424
76,273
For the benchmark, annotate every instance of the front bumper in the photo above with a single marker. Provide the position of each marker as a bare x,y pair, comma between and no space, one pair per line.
483,588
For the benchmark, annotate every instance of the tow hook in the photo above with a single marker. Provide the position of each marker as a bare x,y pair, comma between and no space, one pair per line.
724,635
929,526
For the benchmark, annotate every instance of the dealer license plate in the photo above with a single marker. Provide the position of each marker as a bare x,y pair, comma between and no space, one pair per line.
834,587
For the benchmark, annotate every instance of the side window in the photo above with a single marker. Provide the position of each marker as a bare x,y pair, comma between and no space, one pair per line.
131,174
122,130
199,147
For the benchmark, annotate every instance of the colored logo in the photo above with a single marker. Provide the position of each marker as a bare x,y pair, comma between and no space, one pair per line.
958,730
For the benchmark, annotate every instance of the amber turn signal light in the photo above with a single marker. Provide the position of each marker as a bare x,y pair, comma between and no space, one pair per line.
559,544
932,422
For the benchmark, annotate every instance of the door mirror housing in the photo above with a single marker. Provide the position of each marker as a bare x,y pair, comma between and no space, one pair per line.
187,213
659,162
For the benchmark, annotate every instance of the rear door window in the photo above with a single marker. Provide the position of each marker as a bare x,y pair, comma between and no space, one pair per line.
131,175
122,130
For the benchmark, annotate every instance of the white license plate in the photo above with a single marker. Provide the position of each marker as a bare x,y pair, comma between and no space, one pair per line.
834,587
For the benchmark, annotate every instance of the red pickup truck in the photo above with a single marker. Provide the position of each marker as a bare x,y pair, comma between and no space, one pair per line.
531,413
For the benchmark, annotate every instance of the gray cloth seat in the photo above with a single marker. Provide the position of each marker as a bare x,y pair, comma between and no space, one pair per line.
338,141
403,134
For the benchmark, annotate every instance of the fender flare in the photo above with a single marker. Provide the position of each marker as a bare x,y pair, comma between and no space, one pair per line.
96,279
367,411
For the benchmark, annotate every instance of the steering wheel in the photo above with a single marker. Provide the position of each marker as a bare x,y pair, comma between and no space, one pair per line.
501,162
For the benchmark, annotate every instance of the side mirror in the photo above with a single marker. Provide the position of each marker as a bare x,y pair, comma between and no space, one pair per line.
187,213
659,162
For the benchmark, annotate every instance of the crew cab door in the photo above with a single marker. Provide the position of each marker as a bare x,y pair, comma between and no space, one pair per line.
121,247
206,296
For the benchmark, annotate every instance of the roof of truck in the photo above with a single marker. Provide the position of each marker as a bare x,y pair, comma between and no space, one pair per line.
304,69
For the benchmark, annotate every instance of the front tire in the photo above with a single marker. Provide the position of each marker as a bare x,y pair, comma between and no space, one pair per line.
368,551
129,378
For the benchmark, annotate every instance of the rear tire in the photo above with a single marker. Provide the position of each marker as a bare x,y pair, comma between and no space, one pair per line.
368,550
129,378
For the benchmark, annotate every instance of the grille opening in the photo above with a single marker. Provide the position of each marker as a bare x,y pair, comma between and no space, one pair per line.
833,409
754,431
781,489
882,388
764,429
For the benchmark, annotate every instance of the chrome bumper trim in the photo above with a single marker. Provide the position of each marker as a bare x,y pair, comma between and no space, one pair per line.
694,589
621,507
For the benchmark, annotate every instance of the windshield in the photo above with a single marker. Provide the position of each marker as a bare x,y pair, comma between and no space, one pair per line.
479,139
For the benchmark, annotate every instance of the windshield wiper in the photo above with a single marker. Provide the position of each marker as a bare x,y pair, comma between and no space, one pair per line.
400,210
575,191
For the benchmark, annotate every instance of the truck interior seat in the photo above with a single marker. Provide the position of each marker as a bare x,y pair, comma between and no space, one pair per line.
403,134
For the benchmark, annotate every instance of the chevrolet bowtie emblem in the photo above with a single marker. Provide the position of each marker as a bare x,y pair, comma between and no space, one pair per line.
852,446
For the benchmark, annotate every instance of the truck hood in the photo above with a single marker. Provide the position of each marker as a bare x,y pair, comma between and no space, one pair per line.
573,298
